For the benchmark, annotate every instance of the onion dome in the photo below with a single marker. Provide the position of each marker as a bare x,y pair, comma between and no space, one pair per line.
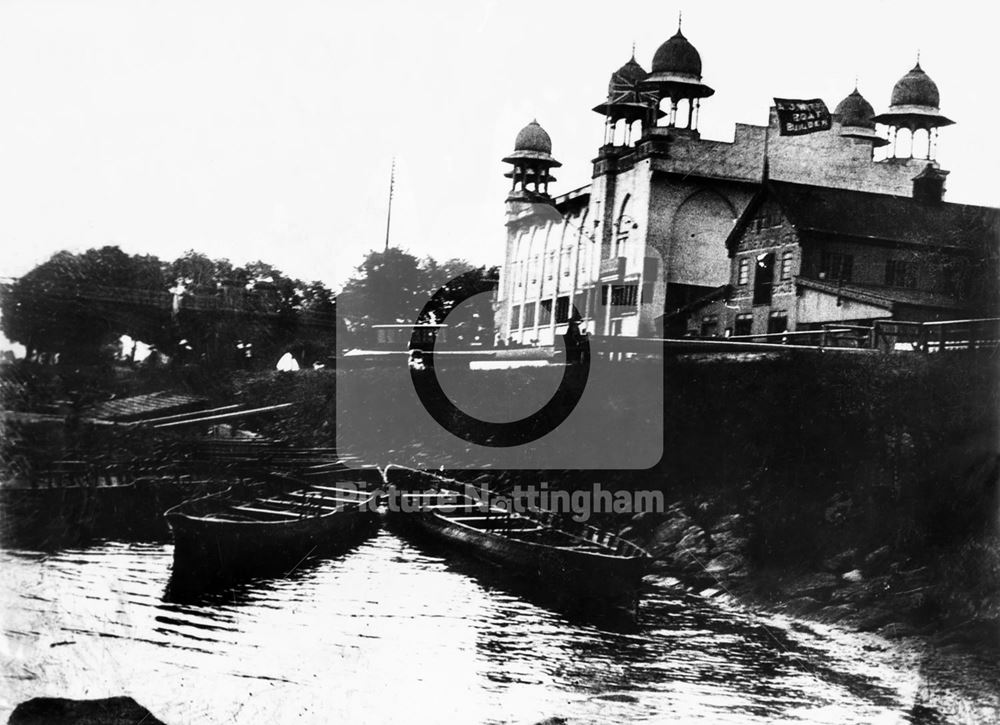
857,118
856,111
533,138
532,154
914,103
916,89
629,74
678,57
676,70
626,98
532,144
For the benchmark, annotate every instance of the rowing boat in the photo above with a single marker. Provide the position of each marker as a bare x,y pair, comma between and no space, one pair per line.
574,557
276,520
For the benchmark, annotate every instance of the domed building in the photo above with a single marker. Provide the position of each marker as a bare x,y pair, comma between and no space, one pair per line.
647,248
914,106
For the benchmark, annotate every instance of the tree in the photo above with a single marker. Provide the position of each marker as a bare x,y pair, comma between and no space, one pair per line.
47,309
78,306
395,287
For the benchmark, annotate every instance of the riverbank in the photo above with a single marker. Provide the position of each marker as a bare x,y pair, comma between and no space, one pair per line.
855,489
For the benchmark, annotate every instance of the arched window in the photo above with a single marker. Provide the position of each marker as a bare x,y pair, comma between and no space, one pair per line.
622,228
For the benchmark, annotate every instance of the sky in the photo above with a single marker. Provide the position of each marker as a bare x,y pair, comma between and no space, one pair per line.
265,129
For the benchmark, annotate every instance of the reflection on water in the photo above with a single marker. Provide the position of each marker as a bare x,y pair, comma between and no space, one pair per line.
391,633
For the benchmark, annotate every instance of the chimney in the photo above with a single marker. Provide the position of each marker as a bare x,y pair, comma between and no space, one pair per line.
928,185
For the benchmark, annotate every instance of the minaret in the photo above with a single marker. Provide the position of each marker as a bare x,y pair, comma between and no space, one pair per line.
914,106
676,77
627,102
532,161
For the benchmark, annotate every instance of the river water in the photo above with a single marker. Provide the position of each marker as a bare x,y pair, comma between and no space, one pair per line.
391,632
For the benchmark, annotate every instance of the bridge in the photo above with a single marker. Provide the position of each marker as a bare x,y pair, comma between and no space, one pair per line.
232,309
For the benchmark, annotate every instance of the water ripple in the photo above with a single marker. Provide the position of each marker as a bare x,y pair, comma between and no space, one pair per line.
391,632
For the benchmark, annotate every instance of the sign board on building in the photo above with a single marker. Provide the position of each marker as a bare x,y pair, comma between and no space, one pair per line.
799,117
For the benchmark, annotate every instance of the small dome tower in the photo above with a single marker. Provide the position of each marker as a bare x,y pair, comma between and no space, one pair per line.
676,75
532,161
627,101
914,106
857,119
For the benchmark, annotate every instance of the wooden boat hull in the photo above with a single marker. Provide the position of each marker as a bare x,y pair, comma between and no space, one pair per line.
594,576
207,546
580,561
219,549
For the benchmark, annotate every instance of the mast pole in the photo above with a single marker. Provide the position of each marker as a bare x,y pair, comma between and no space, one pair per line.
388,216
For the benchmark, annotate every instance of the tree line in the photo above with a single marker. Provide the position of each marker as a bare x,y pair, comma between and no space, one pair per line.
46,311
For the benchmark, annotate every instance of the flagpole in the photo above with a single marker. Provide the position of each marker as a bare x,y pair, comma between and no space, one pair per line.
765,171
388,216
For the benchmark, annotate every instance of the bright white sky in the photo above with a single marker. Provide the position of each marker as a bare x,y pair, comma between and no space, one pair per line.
266,128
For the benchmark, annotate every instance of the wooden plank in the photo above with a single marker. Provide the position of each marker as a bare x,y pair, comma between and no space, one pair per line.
189,414
301,507
226,416
355,491
329,499
251,509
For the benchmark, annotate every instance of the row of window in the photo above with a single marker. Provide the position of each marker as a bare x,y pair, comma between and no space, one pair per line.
619,295
766,261
777,321
834,266
533,267
525,316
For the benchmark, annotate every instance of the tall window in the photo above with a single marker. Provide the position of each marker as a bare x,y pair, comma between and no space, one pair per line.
744,324
763,279
562,309
552,265
837,267
900,274
529,315
709,325
777,321
545,312
743,273
624,295
567,254
787,258
622,228
515,317
534,269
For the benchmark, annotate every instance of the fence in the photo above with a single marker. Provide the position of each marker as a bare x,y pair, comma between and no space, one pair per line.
891,336
930,337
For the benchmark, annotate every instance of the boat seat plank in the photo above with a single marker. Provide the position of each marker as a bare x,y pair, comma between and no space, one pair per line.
429,495
455,507
307,496
357,491
299,506
273,512
516,533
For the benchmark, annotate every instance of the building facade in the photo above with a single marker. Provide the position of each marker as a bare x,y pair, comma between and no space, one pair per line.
647,237
804,256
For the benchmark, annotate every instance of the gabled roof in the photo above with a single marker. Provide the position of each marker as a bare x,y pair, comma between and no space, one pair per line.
862,215
888,297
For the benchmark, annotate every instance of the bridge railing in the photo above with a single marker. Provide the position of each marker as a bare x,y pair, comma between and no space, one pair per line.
932,337
249,304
